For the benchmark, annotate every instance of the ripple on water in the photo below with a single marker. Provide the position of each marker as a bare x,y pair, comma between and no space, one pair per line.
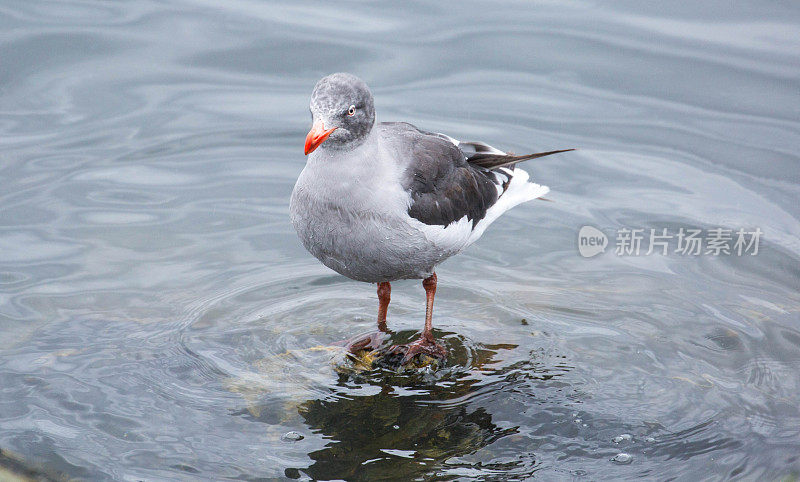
159,319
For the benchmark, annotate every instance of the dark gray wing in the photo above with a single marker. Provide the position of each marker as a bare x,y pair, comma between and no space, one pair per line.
444,186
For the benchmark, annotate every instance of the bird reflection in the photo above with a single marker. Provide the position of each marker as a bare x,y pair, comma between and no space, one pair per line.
406,429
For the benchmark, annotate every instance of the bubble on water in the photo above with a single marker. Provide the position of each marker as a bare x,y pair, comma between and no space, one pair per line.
650,440
622,438
292,436
622,458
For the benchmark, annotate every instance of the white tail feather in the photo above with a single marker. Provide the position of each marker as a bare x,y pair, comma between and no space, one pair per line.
519,191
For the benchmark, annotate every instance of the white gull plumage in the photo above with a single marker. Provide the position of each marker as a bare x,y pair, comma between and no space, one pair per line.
351,212
379,202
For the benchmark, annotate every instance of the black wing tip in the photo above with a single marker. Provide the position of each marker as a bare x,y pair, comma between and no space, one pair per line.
494,161
548,153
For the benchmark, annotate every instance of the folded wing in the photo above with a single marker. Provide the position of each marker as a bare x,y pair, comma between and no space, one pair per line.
449,180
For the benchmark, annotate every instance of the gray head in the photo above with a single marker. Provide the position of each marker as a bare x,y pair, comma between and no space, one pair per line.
342,111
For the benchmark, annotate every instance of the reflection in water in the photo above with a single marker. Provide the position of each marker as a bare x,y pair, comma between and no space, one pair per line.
386,433
408,423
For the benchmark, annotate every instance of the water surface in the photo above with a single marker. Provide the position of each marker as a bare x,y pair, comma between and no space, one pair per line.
159,319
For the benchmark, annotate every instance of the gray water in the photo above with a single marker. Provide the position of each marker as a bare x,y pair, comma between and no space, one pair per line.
159,318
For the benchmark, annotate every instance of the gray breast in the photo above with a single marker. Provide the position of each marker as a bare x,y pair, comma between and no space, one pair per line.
360,230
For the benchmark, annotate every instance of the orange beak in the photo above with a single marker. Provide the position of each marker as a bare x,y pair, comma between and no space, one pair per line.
317,136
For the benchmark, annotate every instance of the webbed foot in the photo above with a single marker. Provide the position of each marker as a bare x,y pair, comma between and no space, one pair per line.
425,345
370,341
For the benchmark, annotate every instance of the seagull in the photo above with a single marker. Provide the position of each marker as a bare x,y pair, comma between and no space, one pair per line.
384,201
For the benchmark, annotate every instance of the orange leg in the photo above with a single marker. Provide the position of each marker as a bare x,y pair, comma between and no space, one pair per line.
426,343
430,291
373,340
384,295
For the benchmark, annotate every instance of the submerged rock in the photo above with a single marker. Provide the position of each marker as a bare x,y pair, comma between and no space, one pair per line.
622,458
292,437
382,358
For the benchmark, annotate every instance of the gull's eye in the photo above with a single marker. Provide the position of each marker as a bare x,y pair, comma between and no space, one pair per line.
351,111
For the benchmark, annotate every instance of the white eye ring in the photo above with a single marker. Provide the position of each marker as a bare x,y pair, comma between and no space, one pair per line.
351,111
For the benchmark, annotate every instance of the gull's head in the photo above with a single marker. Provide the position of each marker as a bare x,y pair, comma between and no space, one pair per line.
342,112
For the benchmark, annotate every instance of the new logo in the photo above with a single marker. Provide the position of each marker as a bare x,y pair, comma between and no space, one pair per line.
591,241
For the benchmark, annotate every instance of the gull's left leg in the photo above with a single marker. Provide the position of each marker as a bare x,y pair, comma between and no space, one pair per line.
426,343
384,296
373,340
